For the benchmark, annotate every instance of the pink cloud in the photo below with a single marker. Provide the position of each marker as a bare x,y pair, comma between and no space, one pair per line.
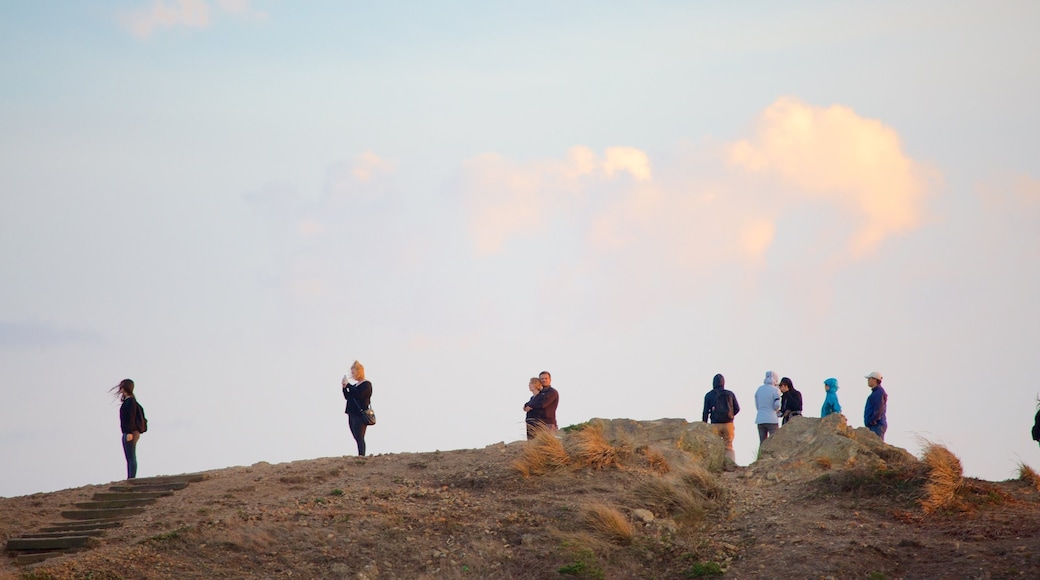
187,13
833,154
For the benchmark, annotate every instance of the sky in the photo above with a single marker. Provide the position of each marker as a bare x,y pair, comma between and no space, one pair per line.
230,201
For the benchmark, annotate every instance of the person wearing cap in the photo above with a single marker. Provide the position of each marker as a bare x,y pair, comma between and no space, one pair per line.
830,402
767,405
877,403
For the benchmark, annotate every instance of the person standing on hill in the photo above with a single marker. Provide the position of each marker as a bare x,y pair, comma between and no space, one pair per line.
534,417
874,413
790,400
721,407
359,396
131,422
830,402
1036,423
545,402
767,405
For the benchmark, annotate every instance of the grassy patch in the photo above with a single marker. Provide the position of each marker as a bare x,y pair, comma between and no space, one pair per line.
608,523
704,570
590,448
945,478
168,536
1026,474
543,454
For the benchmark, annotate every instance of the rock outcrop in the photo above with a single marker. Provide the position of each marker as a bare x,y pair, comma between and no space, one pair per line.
807,447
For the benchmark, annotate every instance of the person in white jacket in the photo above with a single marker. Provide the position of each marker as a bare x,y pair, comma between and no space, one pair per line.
767,405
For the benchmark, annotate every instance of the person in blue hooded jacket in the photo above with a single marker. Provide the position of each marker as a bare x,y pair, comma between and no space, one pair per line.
830,402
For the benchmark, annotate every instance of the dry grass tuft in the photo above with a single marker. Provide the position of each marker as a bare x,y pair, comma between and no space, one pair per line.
1026,474
945,478
543,454
608,523
687,497
656,460
823,462
705,483
590,448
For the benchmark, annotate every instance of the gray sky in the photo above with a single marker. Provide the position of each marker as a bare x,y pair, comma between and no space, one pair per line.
230,201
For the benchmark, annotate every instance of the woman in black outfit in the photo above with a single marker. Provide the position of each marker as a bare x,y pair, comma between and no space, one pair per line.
359,397
129,422
790,400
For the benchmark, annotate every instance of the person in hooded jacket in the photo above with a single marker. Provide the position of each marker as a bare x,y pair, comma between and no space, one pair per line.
767,405
790,400
720,406
830,402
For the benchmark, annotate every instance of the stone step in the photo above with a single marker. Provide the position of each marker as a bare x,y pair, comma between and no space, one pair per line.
112,495
35,557
77,526
113,503
183,478
47,544
115,513
174,486
64,534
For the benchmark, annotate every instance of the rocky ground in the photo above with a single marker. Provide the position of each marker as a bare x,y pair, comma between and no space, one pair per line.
640,500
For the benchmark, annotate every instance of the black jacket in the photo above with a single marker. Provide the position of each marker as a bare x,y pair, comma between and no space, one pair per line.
543,406
791,403
358,397
1036,427
719,411
128,416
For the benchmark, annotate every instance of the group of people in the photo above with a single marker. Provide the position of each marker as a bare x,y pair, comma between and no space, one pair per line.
541,407
777,400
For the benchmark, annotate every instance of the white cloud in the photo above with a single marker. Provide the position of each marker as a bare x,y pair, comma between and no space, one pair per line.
835,155
509,198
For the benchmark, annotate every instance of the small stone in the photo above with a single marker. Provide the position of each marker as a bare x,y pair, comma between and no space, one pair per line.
642,515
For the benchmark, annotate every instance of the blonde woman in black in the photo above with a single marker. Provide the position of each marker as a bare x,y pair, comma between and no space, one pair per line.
359,396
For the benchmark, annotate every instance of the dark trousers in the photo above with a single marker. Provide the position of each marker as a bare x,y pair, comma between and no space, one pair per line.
879,430
130,451
357,429
765,430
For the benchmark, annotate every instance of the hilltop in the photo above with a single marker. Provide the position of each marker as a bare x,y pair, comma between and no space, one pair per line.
607,499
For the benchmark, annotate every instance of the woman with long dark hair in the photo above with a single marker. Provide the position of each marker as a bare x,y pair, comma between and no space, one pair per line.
131,419
359,396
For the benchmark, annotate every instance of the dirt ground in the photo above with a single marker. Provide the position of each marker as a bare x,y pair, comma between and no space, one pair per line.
470,514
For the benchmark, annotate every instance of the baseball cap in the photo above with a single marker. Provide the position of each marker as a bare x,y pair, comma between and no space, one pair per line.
874,375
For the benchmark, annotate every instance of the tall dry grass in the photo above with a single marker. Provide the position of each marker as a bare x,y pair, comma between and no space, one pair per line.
687,496
1026,474
590,448
655,459
945,478
543,454
608,523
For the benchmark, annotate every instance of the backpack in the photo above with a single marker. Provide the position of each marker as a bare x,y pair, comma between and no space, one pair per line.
722,410
142,421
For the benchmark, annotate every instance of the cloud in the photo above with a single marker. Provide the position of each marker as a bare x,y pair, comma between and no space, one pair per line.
509,198
835,155
160,14
363,177
187,13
